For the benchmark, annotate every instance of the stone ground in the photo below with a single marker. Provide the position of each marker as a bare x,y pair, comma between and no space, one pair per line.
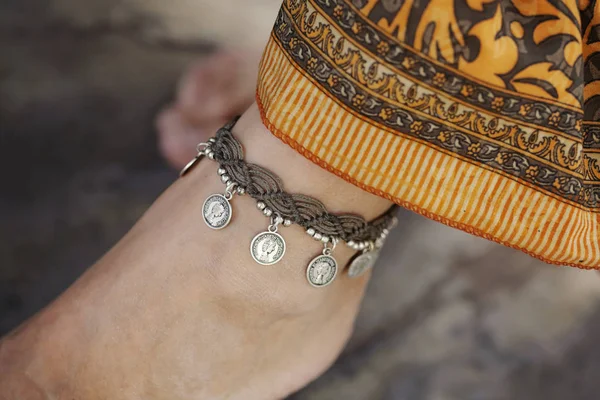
447,317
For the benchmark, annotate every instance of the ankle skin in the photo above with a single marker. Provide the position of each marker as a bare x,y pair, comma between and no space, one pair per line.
178,311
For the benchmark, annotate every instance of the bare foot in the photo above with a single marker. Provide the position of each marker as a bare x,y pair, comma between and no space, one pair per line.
210,93
178,311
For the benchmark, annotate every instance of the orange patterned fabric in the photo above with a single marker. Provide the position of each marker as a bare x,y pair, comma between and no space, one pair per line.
481,114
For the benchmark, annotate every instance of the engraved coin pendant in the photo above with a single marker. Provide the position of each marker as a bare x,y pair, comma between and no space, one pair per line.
321,270
362,263
216,211
267,248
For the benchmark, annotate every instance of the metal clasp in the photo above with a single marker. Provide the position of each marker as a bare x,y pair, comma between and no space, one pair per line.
201,149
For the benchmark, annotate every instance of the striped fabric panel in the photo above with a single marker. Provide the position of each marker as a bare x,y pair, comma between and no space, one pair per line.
429,181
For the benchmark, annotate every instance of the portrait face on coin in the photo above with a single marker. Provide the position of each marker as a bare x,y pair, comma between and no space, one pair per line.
267,248
216,211
321,271
362,263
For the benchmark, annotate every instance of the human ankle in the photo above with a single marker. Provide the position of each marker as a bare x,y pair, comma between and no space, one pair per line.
301,175
298,175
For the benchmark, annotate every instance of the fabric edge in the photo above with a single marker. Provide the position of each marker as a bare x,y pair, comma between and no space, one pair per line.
405,204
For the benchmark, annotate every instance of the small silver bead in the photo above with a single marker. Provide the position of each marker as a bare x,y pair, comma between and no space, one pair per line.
278,219
261,205
221,171
310,231
386,231
378,242
355,246
351,243
211,155
325,239
212,140
241,190
268,212
287,222
317,236
225,178
361,246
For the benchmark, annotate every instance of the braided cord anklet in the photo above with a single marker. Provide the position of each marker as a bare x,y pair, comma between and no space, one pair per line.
283,208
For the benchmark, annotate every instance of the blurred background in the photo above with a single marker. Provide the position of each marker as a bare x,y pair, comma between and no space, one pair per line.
447,316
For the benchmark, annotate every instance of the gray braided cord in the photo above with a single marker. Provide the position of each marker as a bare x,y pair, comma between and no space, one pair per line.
308,212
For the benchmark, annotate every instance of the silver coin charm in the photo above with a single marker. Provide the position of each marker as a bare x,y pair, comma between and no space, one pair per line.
362,263
216,211
321,270
267,248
